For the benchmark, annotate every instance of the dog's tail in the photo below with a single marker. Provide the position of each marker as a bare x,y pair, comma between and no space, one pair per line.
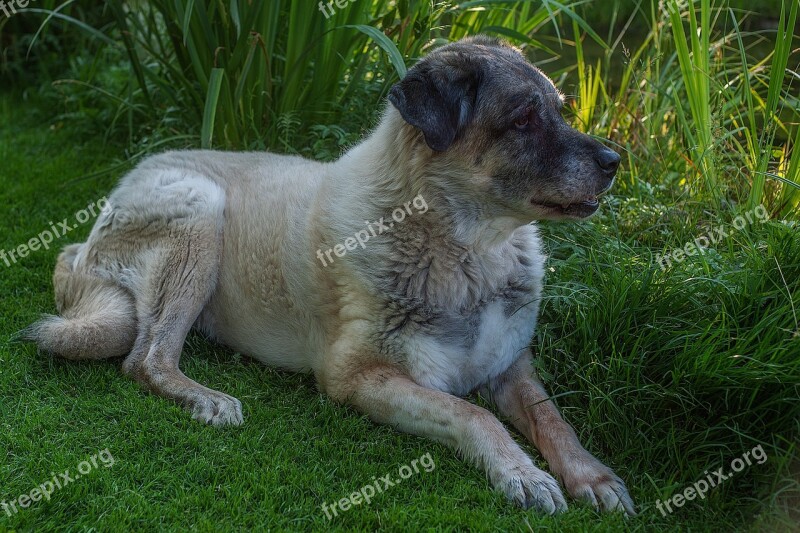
97,317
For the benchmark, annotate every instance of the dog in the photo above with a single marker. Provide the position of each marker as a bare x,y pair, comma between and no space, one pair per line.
437,304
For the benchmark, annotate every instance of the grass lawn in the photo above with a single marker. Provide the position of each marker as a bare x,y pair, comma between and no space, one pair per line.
664,374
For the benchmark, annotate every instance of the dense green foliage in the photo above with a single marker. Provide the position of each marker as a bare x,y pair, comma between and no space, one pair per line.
664,372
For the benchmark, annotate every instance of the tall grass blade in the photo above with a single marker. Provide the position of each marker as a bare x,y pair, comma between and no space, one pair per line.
210,113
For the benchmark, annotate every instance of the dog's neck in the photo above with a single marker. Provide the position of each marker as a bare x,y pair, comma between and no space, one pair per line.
456,255
392,167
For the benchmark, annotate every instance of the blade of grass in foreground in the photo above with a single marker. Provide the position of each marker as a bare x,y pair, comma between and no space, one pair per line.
783,48
790,197
388,46
694,66
210,113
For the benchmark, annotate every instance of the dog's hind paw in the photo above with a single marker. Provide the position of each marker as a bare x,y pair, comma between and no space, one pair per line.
218,410
531,487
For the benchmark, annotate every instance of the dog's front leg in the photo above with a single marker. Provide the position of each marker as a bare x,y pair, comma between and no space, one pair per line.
521,397
389,396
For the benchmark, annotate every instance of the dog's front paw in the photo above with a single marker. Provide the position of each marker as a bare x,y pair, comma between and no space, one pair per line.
531,487
218,410
593,482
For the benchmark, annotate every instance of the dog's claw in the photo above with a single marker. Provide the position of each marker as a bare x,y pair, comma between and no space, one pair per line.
598,486
530,488
222,410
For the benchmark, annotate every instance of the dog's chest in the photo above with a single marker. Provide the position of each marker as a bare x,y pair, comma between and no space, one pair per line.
468,323
474,348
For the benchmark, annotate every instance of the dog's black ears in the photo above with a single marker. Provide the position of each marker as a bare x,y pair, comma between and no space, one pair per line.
438,101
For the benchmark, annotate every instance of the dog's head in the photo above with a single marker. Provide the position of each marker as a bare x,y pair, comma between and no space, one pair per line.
483,108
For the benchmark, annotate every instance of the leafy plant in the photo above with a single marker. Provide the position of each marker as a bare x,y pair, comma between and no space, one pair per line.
699,105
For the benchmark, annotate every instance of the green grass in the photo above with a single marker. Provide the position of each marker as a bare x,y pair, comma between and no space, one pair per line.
663,374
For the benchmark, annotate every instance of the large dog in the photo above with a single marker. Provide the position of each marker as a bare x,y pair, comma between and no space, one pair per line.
271,256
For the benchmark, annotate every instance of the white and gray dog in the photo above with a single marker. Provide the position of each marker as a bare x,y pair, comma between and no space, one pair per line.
269,254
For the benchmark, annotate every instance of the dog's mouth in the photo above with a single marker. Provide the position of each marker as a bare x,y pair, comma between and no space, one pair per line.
582,209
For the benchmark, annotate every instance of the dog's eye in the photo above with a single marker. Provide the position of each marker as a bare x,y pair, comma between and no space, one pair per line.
523,123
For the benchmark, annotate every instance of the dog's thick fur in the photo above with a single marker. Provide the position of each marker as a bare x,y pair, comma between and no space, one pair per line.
443,305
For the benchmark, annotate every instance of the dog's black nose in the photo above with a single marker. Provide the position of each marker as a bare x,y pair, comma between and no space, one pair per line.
608,161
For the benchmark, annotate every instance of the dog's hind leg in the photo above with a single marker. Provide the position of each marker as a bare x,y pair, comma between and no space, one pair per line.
97,317
178,279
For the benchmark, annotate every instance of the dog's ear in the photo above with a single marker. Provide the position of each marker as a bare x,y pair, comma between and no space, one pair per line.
438,101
